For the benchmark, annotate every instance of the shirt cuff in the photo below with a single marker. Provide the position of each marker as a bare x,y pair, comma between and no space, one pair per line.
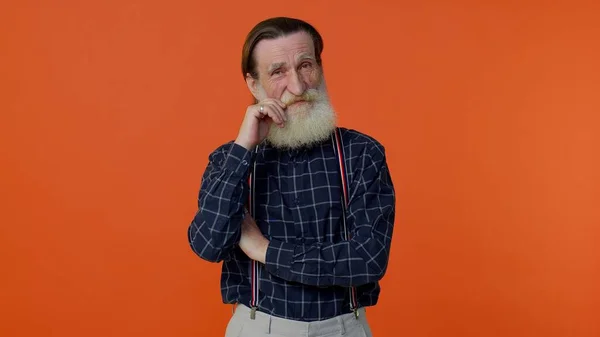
238,159
280,258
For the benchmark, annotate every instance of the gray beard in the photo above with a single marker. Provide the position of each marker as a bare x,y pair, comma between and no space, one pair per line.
306,125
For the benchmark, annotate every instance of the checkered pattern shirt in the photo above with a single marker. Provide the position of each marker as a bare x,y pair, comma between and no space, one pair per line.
309,266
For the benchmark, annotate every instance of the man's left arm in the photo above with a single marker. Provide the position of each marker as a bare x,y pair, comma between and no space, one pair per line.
361,259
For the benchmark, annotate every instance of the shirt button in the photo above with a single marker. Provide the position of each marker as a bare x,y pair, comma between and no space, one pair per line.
297,201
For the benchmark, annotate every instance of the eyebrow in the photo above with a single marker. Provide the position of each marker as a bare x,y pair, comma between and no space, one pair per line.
303,56
275,66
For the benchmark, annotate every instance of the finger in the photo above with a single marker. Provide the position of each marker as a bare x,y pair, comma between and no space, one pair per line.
263,110
280,103
274,114
271,103
275,101
281,111
260,111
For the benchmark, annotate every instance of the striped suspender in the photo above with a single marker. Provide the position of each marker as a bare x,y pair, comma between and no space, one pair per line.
253,263
339,150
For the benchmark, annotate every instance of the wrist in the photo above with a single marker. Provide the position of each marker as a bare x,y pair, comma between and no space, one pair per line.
247,145
260,254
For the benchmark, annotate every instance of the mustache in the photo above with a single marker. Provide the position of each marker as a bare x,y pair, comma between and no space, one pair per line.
308,96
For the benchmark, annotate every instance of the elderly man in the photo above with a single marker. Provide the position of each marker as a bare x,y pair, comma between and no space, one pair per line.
299,210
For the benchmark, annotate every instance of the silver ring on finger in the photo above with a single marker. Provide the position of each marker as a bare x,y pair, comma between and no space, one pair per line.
262,109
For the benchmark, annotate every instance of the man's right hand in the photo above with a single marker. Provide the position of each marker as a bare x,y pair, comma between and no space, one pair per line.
257,121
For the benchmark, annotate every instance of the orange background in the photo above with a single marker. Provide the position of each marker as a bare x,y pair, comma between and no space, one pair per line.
489,113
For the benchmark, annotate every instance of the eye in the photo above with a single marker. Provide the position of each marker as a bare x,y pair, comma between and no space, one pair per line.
306,65
276,72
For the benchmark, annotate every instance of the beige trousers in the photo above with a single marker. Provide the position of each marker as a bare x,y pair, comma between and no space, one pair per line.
264,325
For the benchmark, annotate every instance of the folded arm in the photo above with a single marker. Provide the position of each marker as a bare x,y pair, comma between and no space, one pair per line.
361,259
215,229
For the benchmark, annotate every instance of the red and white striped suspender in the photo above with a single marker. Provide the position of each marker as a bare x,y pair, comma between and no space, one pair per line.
339,150
253,265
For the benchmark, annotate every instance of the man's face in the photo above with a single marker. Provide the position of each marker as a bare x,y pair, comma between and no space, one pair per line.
288,71
287,66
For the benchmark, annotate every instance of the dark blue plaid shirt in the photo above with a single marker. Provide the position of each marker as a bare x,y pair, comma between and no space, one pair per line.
309,266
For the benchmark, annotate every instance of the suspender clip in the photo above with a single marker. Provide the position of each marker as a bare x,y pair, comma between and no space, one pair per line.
253,313
356,314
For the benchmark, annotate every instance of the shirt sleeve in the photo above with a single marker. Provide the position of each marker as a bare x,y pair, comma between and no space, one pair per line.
364,257
215,229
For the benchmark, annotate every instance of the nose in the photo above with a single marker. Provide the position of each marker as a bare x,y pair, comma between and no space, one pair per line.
296,84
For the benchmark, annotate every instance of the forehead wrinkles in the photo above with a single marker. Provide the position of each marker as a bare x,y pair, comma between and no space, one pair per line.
280,54
284,49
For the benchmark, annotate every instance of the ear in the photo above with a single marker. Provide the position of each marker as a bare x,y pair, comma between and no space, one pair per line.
252,84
